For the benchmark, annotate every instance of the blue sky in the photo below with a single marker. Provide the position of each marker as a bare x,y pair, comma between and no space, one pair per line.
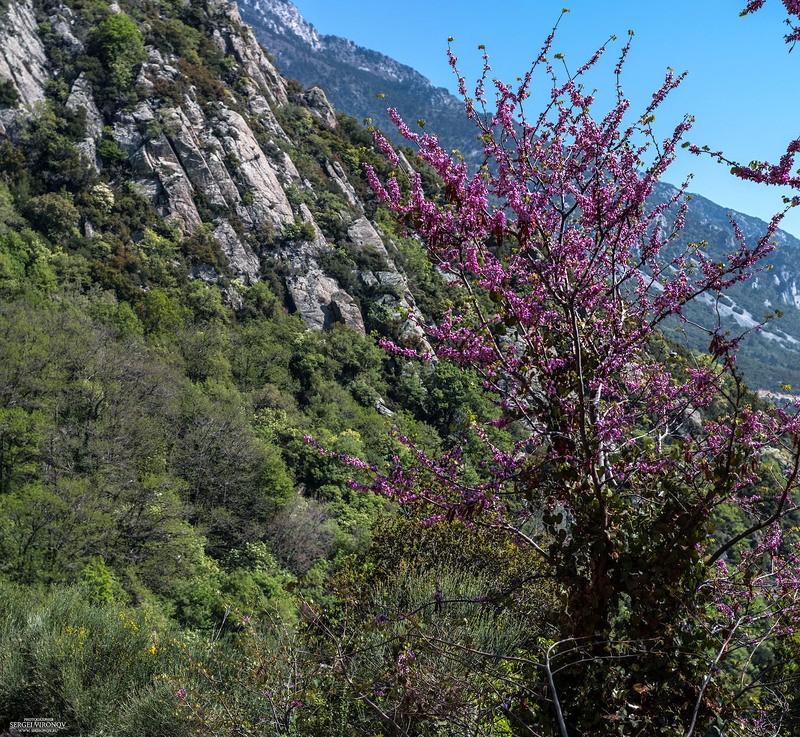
743,86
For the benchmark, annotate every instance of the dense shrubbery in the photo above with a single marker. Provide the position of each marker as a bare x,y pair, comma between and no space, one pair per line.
9,96
117,42
101,668
152,454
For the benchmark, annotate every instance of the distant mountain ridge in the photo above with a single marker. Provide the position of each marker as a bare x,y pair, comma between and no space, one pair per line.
770,356
353,76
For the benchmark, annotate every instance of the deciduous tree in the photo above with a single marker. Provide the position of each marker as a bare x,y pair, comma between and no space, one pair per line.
627,446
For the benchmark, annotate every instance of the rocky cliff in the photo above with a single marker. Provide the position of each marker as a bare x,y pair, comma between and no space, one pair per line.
200,135
23,62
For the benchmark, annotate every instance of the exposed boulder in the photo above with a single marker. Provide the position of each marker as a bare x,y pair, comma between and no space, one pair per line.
319,106
131,128
363,234
241,259
320,301
394,282
82,97
155,69
204,272
89,149
334,171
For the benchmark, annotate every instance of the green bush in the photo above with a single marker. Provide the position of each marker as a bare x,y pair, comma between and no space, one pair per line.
101,583
53,215
25,262
202,246
177,37
118,44
9,96
100,669
50,159
110,152
161,314
299,231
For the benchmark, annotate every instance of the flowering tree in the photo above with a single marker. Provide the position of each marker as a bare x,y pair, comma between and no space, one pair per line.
627,449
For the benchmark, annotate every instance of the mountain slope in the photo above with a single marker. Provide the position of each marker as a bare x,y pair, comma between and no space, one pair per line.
354,77
200,130
174,217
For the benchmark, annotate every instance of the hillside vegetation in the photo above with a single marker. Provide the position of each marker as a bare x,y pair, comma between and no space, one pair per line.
162,364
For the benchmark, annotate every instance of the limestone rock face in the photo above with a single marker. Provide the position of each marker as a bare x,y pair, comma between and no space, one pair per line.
219,160
317,297
201,155
285,168
180,153
22,55
255,170
266,87
389,287
157,166
81,97
157,157
319,244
